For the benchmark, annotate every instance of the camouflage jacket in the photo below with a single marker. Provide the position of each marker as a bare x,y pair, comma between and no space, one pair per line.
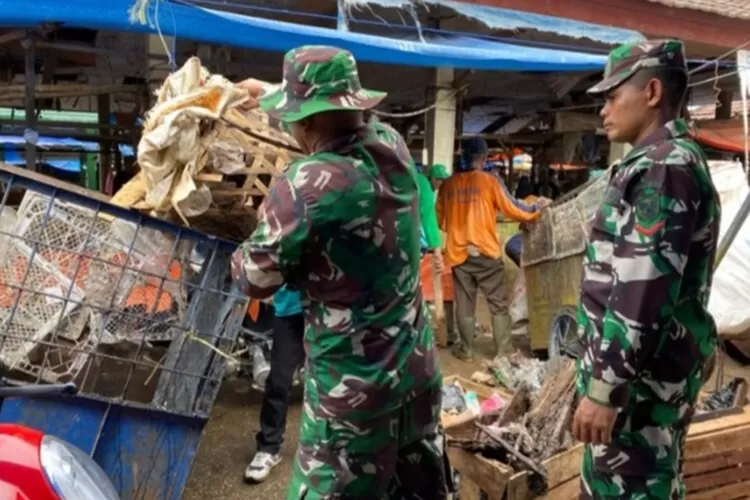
647,272
343,227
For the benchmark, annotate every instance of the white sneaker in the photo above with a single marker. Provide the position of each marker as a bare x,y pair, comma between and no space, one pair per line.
261,466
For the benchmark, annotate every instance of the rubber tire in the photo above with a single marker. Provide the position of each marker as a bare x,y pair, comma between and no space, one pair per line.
554,348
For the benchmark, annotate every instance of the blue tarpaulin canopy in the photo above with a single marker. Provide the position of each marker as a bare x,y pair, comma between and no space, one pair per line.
175,19
68,164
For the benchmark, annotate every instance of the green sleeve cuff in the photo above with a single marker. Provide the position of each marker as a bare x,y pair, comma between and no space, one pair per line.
613,396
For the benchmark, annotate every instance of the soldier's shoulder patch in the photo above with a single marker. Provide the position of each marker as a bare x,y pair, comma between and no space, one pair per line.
646,203
612,196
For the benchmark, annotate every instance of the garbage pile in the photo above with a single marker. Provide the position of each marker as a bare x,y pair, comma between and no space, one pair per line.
205,163
513,372
461,405
733,394
533,426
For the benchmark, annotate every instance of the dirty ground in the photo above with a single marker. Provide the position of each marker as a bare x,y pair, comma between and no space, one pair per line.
228,443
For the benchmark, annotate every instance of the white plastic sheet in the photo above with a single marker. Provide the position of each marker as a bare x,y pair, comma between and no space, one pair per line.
730,295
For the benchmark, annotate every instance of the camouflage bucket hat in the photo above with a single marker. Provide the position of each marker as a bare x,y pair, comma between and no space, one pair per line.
438,172
318,79
625,61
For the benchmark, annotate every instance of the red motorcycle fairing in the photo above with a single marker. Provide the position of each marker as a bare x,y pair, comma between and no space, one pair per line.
21,474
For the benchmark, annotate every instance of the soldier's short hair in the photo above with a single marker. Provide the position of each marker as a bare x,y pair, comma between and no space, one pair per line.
674,81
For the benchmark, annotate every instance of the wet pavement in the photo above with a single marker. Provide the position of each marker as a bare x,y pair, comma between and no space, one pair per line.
229,441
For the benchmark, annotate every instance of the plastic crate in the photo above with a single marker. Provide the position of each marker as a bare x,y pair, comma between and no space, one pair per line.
136,311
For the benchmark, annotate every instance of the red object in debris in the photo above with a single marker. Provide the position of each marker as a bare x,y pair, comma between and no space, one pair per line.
21,473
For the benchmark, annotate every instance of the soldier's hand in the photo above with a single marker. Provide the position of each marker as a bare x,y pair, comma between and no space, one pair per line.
254,88
593,423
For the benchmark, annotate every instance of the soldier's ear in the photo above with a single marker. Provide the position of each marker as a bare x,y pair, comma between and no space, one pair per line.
654,93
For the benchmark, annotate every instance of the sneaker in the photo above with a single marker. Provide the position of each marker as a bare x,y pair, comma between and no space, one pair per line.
261,466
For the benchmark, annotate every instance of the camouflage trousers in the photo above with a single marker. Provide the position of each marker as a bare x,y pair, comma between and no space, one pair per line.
641,465
398,455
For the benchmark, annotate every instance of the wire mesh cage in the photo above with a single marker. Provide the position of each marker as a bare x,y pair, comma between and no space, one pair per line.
137,312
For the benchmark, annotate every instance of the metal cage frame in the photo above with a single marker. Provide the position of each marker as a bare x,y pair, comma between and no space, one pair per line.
146,444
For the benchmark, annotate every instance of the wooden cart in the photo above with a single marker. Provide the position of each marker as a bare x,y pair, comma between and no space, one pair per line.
552,263
497,480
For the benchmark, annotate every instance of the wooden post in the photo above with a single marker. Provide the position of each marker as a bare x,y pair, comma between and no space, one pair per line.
105,153
724,107
28,45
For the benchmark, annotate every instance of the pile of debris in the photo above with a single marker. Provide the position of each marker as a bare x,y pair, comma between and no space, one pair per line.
732,395
533,426
206,162
513,372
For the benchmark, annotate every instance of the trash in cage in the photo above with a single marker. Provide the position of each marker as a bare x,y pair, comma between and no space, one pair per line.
111,283
74,280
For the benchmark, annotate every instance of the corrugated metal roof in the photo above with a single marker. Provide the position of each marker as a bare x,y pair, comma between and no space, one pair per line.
738,9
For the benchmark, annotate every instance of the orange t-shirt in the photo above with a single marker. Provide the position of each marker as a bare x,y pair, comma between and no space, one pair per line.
467,208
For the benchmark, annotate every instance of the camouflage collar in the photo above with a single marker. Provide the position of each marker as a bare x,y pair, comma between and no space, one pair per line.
670,130
343,142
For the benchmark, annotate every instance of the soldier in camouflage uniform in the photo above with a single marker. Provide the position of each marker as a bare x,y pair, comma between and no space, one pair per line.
342,226
643,317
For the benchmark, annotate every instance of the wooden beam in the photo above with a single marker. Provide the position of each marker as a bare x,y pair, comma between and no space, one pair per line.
651,19
29,90
105,147
11,36
12,92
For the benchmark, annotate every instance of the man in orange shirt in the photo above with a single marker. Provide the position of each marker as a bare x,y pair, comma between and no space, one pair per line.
467,208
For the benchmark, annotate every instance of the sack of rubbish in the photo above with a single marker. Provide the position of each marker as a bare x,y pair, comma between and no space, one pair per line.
205,163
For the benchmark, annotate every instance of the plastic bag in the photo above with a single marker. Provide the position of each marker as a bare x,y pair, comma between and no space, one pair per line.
519,306
730,294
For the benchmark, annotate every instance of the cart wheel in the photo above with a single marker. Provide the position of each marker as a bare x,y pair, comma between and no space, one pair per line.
563,334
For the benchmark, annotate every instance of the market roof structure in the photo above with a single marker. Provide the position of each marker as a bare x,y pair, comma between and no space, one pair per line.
737,9
225,28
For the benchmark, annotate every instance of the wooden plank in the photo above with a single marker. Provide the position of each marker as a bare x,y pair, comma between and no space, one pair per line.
564,466
51,181
569,490
728,492
717,479
492,475
740,398
516,408
719,424
470,490
518,487
715,442
561,469
716,415
717,462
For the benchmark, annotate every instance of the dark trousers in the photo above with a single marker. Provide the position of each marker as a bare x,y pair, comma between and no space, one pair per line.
513,248
479,273
287,354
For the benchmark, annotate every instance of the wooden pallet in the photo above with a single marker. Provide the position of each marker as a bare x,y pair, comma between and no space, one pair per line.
483,477
464,424
239,138
717,458
563,478
717,466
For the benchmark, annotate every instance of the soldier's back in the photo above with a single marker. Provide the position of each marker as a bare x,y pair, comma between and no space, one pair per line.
369,345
